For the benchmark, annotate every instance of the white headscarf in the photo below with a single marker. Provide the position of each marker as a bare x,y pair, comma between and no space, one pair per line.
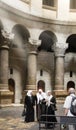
48,98
40,95
29,93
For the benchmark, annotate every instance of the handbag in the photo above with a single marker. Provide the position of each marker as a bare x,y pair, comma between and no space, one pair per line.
23,112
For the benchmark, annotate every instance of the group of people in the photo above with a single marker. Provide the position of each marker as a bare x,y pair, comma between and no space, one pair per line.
45,104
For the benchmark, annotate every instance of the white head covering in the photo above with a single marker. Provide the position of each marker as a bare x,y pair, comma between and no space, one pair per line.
40,96
29,92
48,98
49,91
40,90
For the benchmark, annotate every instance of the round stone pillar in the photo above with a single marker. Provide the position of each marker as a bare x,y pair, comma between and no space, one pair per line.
59,72
32,64
32,69
4,57
5,93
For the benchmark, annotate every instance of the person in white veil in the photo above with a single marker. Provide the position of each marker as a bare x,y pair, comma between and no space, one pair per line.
41,104
29,103
50,109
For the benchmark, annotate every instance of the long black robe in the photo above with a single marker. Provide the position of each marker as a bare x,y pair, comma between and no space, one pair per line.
50,110
41,109
29,104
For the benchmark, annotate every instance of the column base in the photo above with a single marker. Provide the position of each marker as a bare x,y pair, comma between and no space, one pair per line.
3,86
31,87
60,95
5,97
59,87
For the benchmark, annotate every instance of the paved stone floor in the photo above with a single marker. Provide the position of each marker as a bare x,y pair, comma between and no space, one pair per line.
11,119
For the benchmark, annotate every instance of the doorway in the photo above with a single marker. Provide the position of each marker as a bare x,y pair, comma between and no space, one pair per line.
41,85
11,84
70,84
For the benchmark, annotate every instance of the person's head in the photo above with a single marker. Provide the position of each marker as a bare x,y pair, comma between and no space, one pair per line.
40,91
29,93
71,91
48,92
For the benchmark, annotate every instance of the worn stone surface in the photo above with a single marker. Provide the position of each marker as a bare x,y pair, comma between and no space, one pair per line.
11,119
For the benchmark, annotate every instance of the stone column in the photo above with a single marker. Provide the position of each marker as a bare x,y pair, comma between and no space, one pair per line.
32,66
4,67
59,72
5,94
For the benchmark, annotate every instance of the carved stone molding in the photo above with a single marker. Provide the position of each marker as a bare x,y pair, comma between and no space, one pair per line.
33,44
7,37
60,48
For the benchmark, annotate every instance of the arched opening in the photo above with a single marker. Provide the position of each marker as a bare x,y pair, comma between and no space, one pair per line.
72,43
11,84
48,39
70,84
21,36
1,28
41,85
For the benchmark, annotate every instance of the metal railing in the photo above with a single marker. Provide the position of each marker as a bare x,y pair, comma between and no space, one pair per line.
63,122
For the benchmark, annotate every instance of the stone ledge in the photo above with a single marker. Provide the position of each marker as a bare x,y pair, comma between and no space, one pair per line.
11,105
6,97
60,93
5,93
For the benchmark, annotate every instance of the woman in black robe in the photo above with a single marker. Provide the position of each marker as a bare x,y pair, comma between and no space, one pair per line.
50,110
29,105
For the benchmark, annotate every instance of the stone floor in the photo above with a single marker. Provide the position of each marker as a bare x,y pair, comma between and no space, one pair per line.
11,119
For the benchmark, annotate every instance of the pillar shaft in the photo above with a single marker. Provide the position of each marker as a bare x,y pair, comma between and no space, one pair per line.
5,94
59,75
32,64
4,67
32,69
59,72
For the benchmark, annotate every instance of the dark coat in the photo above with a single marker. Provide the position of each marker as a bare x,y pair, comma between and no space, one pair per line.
50,110
29,104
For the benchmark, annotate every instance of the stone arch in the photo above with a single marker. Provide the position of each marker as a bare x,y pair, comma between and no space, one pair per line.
71,40
70,84
11,84
1,27
41,85
48,39
21,35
